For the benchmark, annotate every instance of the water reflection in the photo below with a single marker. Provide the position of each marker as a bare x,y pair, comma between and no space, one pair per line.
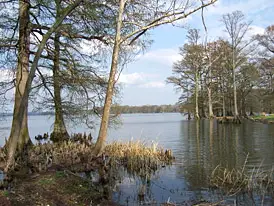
208,144
199,146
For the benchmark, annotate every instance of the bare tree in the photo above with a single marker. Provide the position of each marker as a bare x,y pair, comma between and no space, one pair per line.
236,27
188,71
267,39
153,14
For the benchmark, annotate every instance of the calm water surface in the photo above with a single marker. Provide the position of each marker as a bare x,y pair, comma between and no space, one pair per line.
199,146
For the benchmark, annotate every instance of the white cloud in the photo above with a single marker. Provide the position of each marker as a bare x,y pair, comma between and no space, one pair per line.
254,11
255,30
154,84
163,56
246,6
133,78
141,80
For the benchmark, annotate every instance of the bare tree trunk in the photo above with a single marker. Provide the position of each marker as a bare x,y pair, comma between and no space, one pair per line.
59,132
196,96
210,109
223,98
236,114
20,137
224,112
209,92
100,143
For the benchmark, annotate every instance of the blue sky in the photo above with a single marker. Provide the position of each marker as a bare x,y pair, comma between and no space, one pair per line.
144,80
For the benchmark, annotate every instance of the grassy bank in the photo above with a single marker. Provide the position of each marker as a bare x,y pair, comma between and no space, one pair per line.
267,119
54,188
68,174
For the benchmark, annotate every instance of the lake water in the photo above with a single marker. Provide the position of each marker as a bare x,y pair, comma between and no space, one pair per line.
199,146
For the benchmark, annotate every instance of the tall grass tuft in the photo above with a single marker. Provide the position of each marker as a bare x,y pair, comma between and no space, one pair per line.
137,157
234,181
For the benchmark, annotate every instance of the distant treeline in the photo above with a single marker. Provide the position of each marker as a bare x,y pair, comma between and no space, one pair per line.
118,109
126,109
29,114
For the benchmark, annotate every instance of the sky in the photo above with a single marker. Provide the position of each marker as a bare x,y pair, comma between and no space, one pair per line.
144,80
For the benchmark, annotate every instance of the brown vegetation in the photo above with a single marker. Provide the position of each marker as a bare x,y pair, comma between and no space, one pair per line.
234,181
52,174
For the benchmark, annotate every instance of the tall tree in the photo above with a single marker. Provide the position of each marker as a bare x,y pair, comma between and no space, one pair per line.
236,27
20,108
76,83
187,71
248,79
212,56
223,73
134,19
59,131
22,73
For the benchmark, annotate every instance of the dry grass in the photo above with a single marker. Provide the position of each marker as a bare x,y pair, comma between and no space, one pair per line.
70,155
138,158
234,181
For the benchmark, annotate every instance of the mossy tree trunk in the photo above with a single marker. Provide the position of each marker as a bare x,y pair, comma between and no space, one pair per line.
20,108
59,131
19,136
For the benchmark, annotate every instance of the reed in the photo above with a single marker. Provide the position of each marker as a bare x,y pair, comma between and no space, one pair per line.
234,181
138,158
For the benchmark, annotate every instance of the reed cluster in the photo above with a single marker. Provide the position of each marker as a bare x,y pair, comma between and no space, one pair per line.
234,180
138,158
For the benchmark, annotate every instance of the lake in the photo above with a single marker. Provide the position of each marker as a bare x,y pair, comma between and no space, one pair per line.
199,146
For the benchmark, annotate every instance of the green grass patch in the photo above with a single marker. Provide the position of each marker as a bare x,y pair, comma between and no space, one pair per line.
268,117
